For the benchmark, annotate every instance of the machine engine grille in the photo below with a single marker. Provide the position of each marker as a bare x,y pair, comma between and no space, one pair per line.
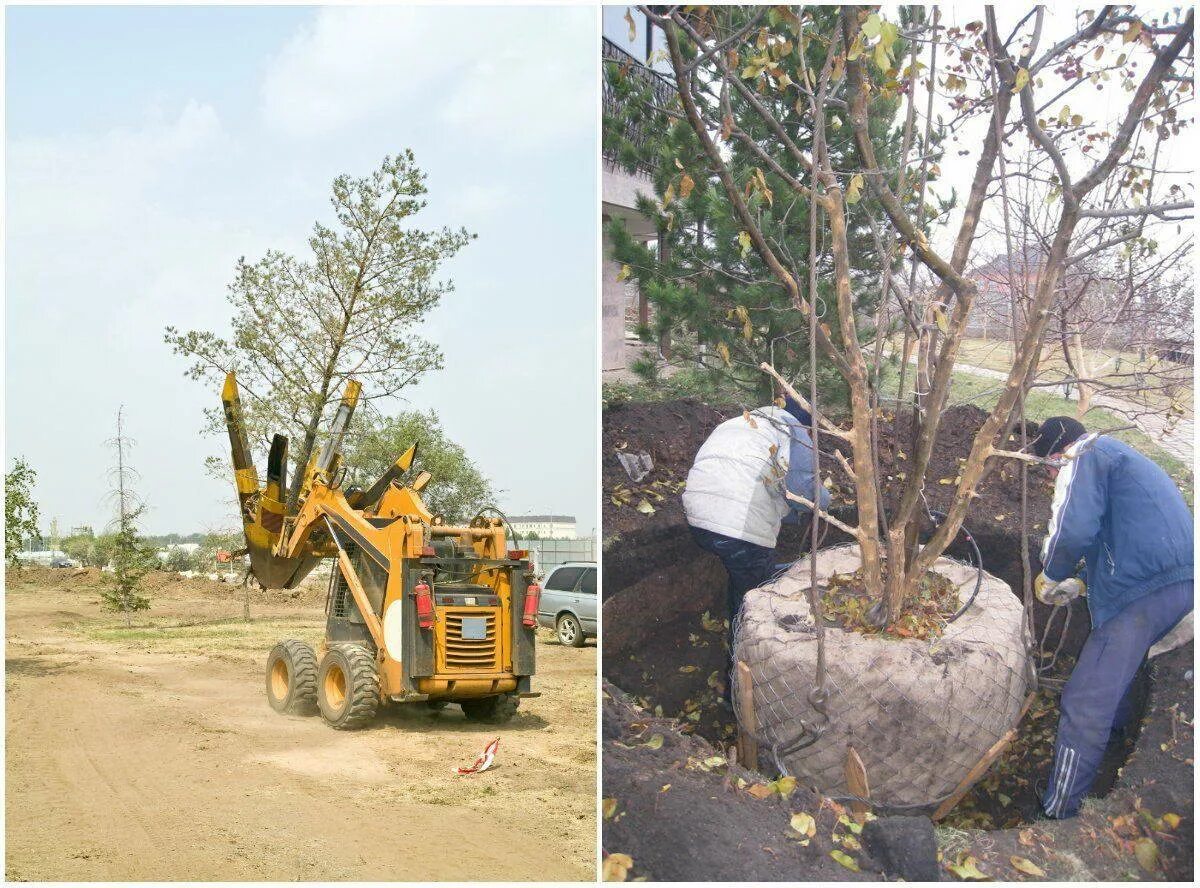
470,654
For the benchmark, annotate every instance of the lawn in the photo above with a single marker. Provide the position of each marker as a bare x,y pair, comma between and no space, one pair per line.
1163,383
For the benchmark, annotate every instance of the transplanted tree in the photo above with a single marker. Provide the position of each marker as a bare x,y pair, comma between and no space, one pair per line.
716,300
303,326
130,556
20,510
458,489
1020,69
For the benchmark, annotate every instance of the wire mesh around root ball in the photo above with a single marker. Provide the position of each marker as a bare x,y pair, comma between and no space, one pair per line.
919,713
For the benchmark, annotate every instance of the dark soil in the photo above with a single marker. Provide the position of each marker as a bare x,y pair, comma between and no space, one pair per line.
1100,844
670,432
664,616
683,820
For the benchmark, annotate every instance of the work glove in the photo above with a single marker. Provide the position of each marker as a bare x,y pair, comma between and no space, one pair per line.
1058,592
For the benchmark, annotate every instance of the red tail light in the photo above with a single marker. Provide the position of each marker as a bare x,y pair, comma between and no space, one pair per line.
532,594
424,605
518,554
428,552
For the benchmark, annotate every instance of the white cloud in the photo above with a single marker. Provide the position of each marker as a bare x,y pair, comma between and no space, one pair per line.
483,69
78,181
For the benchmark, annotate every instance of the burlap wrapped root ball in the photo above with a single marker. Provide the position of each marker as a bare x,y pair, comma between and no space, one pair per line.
920,714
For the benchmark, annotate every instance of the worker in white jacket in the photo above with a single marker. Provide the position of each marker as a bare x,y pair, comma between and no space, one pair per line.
735,497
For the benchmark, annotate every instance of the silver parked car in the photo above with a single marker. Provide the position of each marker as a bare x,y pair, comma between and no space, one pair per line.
568,602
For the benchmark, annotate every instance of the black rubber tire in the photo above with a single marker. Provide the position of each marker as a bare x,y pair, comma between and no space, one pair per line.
574,634
493,710
348,686
292,678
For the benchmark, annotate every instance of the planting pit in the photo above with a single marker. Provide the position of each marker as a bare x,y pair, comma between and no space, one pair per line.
665,625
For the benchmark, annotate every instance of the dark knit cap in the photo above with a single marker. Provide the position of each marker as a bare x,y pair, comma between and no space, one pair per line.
792,406
1056,434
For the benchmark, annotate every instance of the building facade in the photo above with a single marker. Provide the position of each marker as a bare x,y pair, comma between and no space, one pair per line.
546,527
623,309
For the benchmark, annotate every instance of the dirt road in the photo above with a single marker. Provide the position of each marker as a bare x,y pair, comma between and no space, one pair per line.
152,754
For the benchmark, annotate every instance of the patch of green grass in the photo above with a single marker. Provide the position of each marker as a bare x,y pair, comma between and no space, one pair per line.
704,385
983,392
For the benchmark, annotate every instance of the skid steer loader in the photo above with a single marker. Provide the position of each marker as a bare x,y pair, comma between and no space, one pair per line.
417,611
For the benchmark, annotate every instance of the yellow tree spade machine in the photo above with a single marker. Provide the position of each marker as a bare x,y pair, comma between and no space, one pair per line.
418,611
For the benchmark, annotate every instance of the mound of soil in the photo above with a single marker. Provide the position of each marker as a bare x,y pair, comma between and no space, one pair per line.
683,813
670,432
162,582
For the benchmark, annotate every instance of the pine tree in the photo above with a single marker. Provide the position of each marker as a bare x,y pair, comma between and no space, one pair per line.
131,557
715,301
303,325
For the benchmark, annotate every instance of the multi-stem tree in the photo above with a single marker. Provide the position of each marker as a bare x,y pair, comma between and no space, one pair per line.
1013,82
131,558
716,301
301,328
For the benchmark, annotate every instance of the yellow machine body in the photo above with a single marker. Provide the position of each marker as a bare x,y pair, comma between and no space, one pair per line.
390,552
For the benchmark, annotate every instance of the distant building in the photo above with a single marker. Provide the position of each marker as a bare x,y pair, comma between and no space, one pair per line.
164,554
43,557
624,309
1000,283
546,527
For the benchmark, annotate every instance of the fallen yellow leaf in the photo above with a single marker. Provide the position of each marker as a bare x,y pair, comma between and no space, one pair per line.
1146,853
967,869
804,824
617,867
845,860
1026,866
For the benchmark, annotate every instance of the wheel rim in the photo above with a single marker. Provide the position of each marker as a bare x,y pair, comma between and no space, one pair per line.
335,687
279,679
566,631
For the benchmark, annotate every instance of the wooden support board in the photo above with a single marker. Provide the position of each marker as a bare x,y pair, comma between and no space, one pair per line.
747,746
981,766
856,782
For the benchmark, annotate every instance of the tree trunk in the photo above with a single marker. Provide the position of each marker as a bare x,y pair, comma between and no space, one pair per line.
1085,373
866,486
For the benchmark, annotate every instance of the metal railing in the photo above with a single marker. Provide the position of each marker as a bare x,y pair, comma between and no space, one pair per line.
625,65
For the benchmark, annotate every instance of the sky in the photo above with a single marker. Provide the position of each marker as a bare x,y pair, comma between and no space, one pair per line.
148,148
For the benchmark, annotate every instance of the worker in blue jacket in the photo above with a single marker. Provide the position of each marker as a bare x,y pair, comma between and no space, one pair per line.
1123,517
